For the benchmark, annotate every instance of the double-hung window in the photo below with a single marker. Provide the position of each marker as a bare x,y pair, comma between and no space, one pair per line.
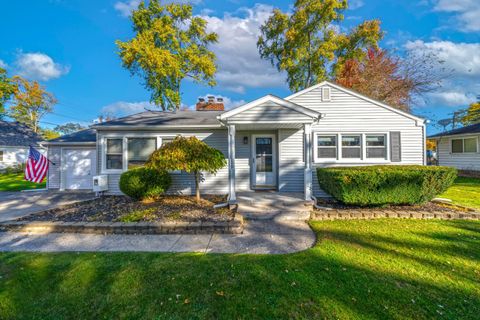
376,146
114,154
465,145
327,147
139,150
351,146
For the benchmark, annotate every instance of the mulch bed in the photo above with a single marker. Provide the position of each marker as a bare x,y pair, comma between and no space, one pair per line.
124,209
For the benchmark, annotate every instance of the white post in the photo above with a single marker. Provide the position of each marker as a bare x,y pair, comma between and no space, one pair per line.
232,199
307,133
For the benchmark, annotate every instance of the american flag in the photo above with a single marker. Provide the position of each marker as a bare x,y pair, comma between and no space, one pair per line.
37,166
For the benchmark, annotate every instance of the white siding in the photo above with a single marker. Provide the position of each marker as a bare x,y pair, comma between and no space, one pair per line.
267,112
346,113
467,161
13,156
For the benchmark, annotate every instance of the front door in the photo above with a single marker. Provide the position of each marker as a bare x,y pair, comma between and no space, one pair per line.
264,172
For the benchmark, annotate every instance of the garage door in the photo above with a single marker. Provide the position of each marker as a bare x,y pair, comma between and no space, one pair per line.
80,167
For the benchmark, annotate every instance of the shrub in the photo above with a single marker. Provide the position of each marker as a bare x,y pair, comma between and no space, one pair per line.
141,183
382,185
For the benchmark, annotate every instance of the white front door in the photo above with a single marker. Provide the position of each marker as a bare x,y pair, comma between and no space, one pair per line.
79,168
264,172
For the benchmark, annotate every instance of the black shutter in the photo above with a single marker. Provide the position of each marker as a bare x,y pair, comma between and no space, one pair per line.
395,146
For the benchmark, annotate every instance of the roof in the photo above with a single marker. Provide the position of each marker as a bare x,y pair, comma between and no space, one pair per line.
166,119
358,95
474,128
274,99
82,136
17,134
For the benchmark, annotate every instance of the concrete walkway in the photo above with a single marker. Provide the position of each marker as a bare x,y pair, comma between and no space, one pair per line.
14,205
264,236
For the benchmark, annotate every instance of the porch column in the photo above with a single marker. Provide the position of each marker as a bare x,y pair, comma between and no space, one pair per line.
232,199
307,133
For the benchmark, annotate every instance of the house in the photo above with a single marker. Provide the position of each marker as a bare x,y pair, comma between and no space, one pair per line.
15,139
270,143
459,148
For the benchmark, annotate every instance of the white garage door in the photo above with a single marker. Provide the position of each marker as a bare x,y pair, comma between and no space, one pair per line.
80,167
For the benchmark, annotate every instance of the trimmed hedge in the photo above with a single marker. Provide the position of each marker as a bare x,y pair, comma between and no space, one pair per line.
141,183
383,185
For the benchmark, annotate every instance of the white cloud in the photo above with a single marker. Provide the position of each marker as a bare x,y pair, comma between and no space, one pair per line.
466,13
123,108
39,66
463,59
239,63
3,64
355,4
125,7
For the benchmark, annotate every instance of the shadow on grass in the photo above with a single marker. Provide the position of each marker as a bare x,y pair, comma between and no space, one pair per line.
356,274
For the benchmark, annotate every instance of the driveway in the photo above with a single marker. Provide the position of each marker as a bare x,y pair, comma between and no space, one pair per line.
14,205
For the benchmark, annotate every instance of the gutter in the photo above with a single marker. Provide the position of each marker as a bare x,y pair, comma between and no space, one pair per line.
157,127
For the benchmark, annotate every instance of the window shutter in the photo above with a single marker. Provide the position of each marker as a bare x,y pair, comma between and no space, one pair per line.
326,94
395,146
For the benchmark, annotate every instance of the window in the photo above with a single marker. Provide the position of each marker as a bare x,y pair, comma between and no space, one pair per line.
114,154
139,149
351,146
376,146
326,94
327,147
466,145
1,155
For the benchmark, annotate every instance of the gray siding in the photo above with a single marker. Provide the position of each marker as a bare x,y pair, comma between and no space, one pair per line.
467,161
268,112
291,160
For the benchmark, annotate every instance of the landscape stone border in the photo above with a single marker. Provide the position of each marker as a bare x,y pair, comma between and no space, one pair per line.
352,214
234,226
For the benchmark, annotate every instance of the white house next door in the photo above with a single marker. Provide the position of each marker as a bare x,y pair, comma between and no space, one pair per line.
79,168
263,168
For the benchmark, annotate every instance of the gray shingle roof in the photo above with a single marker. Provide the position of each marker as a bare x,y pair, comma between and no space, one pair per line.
17,134
157,118
474,128
87,135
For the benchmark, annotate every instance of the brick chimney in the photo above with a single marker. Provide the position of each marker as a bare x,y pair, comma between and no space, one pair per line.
210,105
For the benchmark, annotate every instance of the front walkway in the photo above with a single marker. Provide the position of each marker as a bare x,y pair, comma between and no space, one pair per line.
264,236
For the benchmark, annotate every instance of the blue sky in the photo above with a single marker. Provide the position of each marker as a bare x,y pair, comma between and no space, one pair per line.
69,46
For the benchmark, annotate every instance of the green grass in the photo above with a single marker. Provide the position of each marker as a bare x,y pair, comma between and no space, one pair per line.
465,192
380,269
15,182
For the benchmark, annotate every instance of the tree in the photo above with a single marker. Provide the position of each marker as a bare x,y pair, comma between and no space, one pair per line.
68,128
391,79
7,89
170,44
31,103
308,43
49,134
472,114
190,155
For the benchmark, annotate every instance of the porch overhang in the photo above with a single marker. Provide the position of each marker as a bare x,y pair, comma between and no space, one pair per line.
270,112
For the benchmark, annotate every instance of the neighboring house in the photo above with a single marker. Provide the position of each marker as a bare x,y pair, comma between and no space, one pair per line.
271,143
15,139
459,148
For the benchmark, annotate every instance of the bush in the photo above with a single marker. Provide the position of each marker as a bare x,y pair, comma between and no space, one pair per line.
382,185
141,183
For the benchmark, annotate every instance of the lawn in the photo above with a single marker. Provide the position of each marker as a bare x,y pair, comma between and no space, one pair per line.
378,269
15,182
465,192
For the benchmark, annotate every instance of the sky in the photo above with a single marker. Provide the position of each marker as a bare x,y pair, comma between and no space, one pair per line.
69,46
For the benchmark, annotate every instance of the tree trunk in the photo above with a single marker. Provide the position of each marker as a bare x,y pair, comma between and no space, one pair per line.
197,185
